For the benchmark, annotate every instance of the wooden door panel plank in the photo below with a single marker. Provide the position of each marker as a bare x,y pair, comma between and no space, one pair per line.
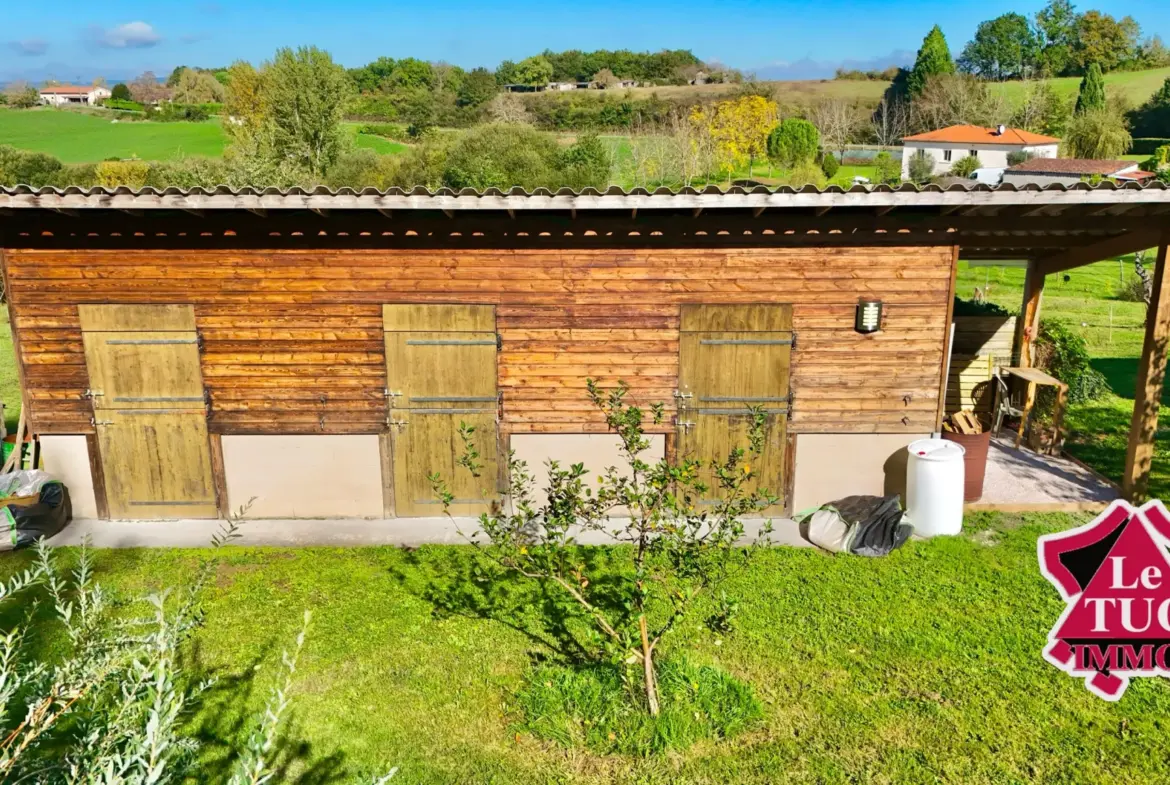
136,318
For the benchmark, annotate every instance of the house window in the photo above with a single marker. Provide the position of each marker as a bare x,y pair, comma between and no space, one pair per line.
946,155
973,153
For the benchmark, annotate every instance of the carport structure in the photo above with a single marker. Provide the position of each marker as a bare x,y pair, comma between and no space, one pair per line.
302,303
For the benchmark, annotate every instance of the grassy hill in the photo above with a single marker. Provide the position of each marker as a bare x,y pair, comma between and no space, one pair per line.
1134,86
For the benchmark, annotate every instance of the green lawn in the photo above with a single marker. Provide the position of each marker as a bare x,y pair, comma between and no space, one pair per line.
1114,330
78,138
921,667
74,137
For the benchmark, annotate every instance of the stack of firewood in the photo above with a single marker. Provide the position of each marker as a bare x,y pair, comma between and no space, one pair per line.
964,422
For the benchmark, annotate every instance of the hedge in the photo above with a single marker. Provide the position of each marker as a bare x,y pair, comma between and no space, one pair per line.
1147,145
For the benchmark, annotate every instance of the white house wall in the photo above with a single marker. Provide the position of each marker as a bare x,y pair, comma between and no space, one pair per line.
992,156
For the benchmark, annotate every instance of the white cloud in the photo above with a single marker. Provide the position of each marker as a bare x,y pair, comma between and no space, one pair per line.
132,35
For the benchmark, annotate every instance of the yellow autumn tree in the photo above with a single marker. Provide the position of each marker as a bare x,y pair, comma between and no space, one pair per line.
739,130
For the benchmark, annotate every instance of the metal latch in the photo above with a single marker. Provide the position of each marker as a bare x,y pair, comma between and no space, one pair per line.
686,425
683,395
392,393
95,421
400,424
91,394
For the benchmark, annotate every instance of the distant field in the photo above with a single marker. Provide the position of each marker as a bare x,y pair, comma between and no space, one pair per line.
79,138
798,93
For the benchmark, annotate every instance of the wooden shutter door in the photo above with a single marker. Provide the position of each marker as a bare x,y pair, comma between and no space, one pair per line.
441,375
148,401
731,359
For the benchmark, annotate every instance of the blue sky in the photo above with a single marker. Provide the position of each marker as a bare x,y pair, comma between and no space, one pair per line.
779,39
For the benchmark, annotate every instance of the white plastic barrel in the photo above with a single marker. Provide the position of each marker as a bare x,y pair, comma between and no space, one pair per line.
934,487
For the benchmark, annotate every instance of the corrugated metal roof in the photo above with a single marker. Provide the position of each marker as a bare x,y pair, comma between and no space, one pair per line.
711,197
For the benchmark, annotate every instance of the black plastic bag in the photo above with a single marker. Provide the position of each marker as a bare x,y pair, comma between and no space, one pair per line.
879,523
26,524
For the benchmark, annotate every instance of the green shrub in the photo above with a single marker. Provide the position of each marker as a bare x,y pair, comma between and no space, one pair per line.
502,156
586,163
596,709
921,168
1065,355
829,165
964,167
1132,291
179,113
978,308
1016,157
804,173
132,174
119,92
21,167
793,141
888,171
1159,161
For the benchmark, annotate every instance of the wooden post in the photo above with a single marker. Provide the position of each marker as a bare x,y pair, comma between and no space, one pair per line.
1029,321
1150,377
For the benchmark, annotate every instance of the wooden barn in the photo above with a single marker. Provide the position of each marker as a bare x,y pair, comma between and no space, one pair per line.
183,352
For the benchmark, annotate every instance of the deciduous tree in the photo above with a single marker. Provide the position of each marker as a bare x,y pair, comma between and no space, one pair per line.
740,130
1153,117
1003,48
1097,133
1056,30
477,88
838,121
305,92
197,87
1104,40
793,141
958,99
534,71
146,89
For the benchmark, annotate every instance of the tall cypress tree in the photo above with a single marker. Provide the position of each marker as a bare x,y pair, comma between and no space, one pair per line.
1092,93
933,58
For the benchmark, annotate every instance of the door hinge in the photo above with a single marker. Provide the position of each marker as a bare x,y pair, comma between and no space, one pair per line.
499,342
685,425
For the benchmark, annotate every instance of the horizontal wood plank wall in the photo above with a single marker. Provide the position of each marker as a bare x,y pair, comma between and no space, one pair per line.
293,339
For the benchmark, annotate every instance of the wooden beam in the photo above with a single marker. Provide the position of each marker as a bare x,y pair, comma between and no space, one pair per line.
193,211
695,213
947,344
758,211
320,211
260,211
1029,320
385,213
1151,376
1129,242
449,213
822,210
884,210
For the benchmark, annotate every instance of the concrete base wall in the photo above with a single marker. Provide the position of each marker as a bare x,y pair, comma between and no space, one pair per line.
67,459
598,451
304,476
832,465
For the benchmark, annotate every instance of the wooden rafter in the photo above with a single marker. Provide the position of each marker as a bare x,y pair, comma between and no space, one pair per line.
1102,249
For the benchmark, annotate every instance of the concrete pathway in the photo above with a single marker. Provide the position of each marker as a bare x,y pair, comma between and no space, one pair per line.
342,533
1022,477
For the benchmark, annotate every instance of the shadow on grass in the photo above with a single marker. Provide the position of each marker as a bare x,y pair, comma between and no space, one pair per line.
229,712
1121,372
463,582
222,717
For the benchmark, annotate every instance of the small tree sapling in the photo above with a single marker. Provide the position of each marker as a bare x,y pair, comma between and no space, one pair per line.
679,549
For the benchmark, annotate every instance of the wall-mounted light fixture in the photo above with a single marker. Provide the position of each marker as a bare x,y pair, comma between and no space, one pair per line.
869,316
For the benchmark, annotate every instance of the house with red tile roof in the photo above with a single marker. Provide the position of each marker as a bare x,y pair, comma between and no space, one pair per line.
991,146
62,95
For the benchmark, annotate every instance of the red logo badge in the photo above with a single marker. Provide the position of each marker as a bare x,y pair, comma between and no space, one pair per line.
1115,577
